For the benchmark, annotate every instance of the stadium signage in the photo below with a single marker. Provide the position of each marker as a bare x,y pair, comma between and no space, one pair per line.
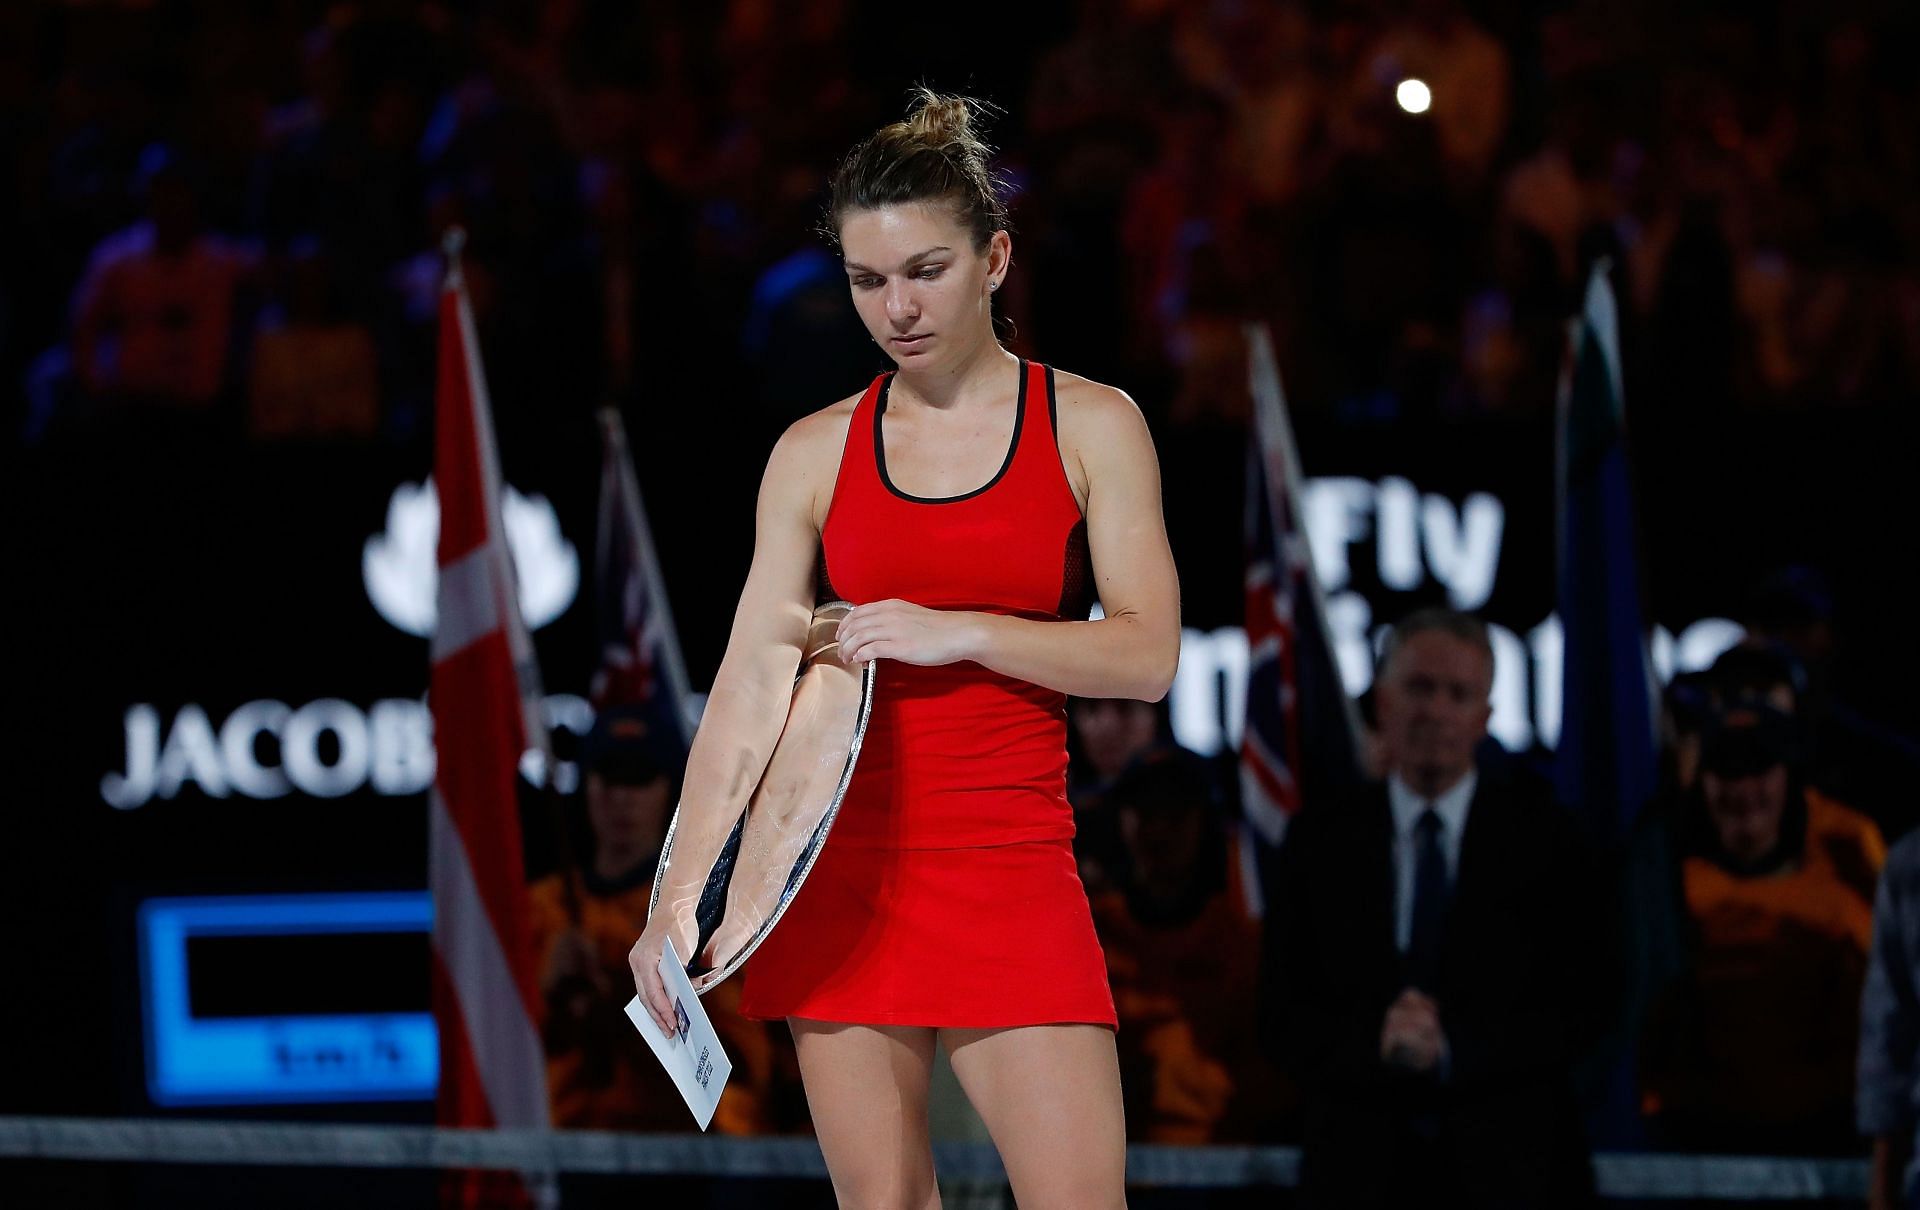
269,749
329,748
1417,539
401,573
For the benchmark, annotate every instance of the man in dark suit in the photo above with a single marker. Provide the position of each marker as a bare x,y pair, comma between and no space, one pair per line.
1425,949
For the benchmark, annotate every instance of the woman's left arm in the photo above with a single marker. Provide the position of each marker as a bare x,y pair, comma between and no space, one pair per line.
1132,651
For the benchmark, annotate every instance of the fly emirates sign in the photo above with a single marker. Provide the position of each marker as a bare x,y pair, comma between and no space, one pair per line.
1415,540
332,747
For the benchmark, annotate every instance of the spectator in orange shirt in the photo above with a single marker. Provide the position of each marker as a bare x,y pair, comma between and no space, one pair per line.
153,318
315,371
600,1073
1753,1048
1183,955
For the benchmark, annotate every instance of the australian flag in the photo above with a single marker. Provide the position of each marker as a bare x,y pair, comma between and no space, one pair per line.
640,661
1604,766
1299,745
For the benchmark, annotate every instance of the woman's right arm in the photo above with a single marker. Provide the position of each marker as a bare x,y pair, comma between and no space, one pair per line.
747,708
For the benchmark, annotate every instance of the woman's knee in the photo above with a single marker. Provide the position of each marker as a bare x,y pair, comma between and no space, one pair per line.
1070,1187
879,1187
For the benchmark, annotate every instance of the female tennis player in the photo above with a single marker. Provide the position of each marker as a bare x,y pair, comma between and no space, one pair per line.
970,504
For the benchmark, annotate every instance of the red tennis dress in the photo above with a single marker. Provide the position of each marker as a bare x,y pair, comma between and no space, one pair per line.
947,893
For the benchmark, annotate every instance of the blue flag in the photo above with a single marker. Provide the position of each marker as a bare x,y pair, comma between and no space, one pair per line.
1605,767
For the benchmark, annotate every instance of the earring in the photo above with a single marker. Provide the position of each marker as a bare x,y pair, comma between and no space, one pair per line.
993,285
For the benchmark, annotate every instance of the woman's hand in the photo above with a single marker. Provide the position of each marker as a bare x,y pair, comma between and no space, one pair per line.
644,958
898,630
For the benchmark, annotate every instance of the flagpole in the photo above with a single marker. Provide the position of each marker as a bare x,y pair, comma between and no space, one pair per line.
453,242
564,853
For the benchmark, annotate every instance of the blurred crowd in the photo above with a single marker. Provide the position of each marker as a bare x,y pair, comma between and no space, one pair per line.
230,214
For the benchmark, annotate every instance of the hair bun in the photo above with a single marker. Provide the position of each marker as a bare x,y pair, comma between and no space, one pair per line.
941,120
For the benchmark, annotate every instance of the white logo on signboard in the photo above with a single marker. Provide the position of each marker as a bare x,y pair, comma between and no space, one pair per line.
402,574
324,749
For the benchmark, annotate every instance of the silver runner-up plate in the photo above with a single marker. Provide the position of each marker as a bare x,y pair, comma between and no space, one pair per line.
753,874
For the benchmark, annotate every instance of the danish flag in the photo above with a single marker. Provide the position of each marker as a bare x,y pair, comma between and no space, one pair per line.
485,697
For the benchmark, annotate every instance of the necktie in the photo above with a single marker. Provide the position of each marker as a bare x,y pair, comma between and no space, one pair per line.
1429,901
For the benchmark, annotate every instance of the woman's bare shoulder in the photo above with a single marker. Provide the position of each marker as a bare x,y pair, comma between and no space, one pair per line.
807,456
818,436
1090,411
1093,421
828,425
1085,401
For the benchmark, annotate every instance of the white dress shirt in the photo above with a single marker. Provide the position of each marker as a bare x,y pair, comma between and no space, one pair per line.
1408,807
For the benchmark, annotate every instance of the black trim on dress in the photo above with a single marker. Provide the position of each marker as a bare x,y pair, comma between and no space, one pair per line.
1013,447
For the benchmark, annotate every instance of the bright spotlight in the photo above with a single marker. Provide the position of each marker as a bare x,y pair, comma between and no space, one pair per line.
1414,96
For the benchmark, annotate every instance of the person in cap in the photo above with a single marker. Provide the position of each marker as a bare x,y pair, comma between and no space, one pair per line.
600,1076
1850,753
1752,1047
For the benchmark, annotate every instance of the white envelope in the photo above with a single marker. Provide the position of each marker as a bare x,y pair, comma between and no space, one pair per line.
692,1056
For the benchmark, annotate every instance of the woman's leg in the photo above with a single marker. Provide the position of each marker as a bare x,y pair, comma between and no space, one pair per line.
1050,1096
867,1090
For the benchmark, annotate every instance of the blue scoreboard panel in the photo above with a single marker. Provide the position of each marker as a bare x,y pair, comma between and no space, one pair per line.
250,1000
